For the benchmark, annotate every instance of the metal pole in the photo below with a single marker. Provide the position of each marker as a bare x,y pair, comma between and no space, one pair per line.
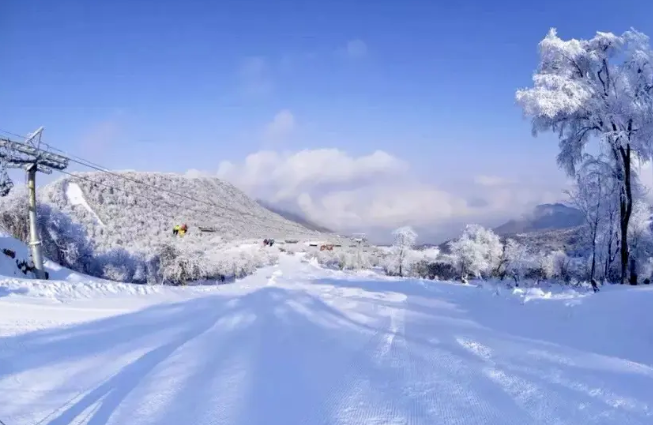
34,241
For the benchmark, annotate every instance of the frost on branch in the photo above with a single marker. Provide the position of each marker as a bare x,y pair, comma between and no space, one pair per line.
518,260
592,88
6,184
639,233
404,240
477,252
599,89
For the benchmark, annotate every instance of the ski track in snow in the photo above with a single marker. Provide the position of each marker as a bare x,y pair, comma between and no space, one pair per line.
296,344
75,196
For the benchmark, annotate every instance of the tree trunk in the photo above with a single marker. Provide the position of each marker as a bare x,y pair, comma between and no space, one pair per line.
633,272
606,266
593,269
625,210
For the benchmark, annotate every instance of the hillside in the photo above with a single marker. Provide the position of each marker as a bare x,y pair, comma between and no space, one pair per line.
116,210
568,240
543,217
548,227
119,226
295,217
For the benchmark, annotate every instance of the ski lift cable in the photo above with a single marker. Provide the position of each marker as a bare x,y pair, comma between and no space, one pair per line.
97,167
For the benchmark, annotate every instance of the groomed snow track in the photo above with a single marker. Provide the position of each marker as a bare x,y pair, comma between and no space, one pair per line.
298,345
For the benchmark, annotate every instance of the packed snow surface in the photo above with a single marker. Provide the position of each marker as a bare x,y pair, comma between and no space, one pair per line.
297,344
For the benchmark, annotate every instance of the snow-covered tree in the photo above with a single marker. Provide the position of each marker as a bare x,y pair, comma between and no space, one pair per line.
597,89
477,252
518,261
593,195
558,264
6,184
404,240
639,233
640,224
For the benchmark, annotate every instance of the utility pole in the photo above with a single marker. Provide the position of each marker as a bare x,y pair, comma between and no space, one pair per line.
29,156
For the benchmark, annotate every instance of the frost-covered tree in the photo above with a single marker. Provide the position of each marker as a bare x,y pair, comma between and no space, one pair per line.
404,240
179,267
477,252
599,200
640,225
597,89
6,184
558,264
349,258
591,195
639,233
518,261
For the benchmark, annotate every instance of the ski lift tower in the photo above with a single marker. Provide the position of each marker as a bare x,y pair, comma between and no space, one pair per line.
29,156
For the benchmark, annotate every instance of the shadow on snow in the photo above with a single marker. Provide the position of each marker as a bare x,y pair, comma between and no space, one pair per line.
282,356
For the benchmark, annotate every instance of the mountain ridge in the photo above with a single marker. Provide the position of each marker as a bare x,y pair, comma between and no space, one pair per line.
544,217
137,210
547,227
292,216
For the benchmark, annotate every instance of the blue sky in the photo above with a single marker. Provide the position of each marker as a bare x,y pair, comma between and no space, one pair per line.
170,85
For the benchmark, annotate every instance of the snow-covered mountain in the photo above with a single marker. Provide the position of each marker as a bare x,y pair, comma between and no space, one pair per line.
135,208
543,217
119,226
548,227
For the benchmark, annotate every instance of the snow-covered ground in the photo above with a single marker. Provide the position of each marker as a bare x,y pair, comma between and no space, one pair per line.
75,196
297,344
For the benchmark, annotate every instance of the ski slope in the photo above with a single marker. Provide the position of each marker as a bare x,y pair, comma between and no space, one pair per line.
75,197
296,344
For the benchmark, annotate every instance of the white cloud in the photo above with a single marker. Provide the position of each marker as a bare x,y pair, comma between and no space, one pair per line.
283,176
491,181
194,173
356,48
375,191
385,207
281,125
